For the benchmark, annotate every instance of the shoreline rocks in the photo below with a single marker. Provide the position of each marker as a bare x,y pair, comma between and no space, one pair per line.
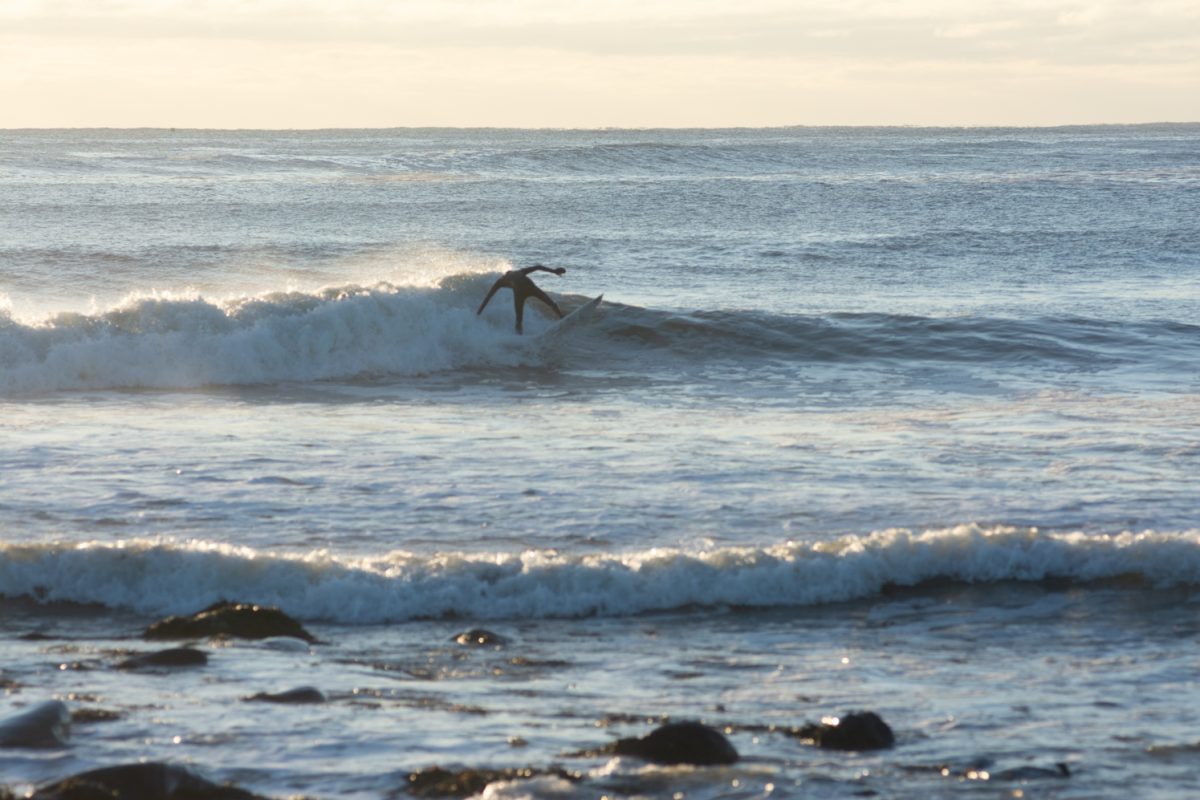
172,658
438,782
45,725
861,730
232,619
150,781
480,637
298,696
679,743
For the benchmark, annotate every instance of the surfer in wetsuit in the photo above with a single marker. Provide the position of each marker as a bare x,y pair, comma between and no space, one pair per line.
522,288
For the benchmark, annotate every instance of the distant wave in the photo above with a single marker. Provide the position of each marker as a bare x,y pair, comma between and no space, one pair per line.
353,332
164,577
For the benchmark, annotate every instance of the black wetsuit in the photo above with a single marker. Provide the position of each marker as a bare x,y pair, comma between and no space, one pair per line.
523,288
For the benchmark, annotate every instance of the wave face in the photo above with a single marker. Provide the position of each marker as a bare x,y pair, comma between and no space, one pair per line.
354,332
333,333
858,337
166,577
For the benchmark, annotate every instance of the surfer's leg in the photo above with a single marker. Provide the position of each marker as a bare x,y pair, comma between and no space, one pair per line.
545,298
519,307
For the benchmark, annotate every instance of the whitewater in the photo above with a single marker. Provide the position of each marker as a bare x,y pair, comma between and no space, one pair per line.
904,420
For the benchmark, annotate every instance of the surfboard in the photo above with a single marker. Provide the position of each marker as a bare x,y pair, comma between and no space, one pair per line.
572,320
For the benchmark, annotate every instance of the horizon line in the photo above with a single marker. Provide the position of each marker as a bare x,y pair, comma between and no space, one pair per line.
601,128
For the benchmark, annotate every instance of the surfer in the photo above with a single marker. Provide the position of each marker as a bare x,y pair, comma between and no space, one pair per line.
523,288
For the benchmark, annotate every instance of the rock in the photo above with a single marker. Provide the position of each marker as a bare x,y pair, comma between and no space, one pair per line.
1031,773
438,782
45,725
680,743
153,781
480,637
863,730
87,716
174,657
236,620
300,695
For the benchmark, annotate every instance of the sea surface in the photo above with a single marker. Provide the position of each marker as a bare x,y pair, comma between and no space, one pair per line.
891,419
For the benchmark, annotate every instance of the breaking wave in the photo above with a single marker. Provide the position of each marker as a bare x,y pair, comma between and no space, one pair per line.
355,332
159,576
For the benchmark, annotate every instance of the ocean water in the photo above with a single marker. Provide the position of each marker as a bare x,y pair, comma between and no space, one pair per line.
905,420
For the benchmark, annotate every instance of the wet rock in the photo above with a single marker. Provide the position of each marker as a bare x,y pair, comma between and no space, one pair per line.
87,716
1031,773
438,782
680,743
45,725
297,696
480,637
235,620
154,781
171,658
863,730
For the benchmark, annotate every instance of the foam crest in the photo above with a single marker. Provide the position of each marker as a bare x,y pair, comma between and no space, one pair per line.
161,576
174,341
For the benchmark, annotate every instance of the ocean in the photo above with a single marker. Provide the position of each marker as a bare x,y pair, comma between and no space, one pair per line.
897,420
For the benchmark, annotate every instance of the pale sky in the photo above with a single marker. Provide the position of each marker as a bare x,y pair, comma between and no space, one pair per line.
599,63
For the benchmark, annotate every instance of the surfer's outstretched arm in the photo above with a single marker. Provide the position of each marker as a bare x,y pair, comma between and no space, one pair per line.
540,268
495,287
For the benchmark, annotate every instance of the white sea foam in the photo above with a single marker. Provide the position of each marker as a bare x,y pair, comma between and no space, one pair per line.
180,341
162,576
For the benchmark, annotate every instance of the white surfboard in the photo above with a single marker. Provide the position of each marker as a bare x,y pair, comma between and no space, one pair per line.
572,320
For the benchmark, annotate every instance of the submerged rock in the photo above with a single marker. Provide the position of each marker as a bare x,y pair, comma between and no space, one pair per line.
1032,773
87,716
680,743
863,730
45,725
226,618
297,696
438,782
480,637
174,657
154,781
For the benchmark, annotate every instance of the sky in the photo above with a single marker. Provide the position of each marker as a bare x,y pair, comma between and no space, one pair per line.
596,63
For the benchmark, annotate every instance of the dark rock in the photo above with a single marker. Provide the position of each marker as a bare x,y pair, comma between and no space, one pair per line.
438,782
174,657
862,730
236,620
1030,773
45,725
480,637
303,694
86,716
680,743
154,781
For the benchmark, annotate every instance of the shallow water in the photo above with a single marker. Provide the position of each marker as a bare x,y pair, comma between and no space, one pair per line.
899,420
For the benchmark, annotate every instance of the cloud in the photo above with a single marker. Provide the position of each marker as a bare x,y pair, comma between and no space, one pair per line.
304,63
1153,31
